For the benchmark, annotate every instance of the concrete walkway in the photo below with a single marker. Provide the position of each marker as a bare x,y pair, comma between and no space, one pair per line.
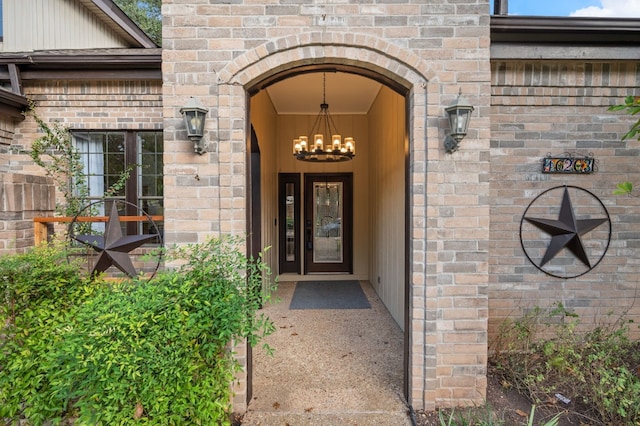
330,367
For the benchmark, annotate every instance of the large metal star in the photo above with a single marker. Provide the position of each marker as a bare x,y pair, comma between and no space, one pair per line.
566,231
113,247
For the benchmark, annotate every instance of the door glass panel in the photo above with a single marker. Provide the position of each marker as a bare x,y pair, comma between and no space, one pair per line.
290,217
289,223
327,233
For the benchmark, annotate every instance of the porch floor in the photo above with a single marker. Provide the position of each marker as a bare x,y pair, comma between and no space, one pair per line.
330,367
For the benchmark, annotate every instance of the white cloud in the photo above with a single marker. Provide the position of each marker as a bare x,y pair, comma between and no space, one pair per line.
612,8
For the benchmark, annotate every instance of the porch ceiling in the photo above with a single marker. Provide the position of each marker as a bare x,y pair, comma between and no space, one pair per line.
345,93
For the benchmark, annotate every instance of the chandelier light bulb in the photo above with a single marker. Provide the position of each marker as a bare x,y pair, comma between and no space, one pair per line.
337,142
350,145
304,143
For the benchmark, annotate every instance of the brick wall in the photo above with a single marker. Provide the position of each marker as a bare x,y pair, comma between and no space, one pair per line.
22,197
90,105
220,52
86,105
556,107
7,128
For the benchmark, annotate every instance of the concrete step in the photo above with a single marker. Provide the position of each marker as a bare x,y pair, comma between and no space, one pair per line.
275,418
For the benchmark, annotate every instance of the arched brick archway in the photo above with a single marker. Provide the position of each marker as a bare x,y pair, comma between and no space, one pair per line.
402,71
384,58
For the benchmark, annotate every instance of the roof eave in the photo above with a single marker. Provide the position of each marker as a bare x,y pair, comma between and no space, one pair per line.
109,9
13,104
80,59
579,30
91,64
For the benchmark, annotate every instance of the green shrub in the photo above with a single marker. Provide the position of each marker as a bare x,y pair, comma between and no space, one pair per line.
596,369
153,351
41,293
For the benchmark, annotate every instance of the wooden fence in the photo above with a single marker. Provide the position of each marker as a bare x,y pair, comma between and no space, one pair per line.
41,230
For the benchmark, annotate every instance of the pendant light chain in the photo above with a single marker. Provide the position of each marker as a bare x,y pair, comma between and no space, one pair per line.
324,89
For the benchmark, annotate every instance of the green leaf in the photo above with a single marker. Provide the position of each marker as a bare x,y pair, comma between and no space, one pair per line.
623,188
631,106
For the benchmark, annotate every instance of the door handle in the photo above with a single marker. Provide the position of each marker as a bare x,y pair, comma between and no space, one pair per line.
309,235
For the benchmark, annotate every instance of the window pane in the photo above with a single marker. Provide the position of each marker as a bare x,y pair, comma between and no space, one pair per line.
115,142
90,148
150,185
115,161
148,142
104,158
150,161
327,236
291,223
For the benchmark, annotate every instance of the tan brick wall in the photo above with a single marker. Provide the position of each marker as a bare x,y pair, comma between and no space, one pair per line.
22,197
217,52
7,129
91,105
553,107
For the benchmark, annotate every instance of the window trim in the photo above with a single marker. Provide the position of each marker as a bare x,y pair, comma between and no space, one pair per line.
133,193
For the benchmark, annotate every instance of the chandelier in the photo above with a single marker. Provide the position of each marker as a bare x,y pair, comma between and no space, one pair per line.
334,149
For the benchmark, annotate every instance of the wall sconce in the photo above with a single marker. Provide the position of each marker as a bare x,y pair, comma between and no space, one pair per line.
194,115
459,114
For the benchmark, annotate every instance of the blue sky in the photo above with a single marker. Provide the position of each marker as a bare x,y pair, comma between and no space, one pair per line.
602,8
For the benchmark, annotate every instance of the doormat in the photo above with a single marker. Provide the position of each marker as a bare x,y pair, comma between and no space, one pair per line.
329,295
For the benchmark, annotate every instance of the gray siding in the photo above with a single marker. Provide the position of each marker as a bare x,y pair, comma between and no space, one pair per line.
54,24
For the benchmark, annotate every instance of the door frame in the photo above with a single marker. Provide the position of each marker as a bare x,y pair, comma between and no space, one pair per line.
405,92
346,266
254,225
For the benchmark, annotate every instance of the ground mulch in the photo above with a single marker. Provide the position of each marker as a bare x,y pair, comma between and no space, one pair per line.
508,407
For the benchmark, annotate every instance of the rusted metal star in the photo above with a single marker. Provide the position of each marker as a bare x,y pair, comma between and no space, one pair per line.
566,231
113,247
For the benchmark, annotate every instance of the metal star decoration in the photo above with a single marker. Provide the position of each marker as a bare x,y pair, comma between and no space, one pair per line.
113,247
567,231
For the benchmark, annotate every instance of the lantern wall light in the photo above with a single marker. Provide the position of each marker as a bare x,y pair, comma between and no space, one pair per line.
194,114
459,114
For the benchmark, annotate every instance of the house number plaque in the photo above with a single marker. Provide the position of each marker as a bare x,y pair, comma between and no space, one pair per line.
568,164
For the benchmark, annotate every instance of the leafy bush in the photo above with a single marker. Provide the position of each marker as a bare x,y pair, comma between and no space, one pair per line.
41,291
598,369
56,153
149,352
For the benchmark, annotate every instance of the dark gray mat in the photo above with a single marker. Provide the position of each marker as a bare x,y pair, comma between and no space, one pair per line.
329,295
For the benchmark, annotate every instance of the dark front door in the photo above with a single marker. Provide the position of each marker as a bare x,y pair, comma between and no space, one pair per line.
328,223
